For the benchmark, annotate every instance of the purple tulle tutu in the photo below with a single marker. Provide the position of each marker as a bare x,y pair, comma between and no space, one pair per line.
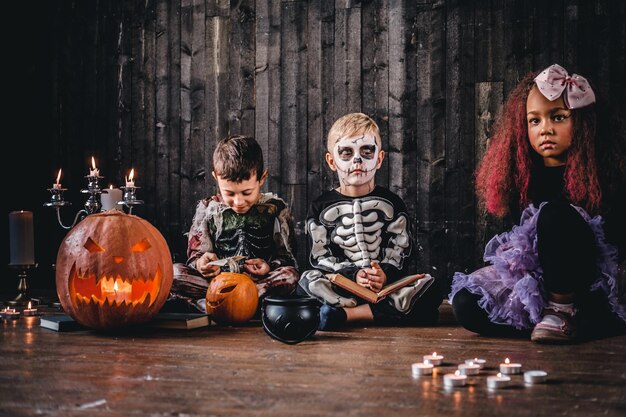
511,287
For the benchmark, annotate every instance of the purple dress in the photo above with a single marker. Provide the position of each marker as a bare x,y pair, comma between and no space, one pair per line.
511,288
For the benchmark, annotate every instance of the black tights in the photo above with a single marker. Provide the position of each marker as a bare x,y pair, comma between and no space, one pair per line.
567,254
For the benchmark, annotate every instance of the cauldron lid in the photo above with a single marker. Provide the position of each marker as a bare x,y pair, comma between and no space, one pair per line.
292,300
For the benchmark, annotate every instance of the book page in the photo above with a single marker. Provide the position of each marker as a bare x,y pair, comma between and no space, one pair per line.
399,284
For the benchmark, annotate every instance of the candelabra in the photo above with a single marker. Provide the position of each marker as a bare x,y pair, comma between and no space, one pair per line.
93,203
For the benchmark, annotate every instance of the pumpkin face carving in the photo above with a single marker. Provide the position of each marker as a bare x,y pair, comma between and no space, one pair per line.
113,269
232,298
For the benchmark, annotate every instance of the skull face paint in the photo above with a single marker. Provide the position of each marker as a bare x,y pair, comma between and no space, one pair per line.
356,159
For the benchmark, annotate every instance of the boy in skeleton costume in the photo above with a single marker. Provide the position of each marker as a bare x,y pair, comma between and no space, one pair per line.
361,231
239,221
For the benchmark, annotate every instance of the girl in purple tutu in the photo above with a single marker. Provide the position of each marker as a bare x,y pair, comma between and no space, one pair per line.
555,275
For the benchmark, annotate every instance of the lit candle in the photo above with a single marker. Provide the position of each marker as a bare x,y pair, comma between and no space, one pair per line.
10,314
454,380
22,238
116,291
130,180
57,185
30,311
535,377
498,381
469,368
94,172
510,368
477,361
110,197
422,368
434,359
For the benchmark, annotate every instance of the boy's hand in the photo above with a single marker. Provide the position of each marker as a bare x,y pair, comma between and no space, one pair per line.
202,265
256,266
373,278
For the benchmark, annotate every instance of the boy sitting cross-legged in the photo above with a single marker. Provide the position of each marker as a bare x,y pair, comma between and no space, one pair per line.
362,231
240,220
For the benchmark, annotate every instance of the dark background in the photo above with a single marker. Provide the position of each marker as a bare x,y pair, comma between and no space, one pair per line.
153,85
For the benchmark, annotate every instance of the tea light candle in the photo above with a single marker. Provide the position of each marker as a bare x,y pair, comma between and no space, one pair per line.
22,246
535,377
510,368
469,368
30,311
110,197
433,359
498,381
454,380
422,368
477,361
10,314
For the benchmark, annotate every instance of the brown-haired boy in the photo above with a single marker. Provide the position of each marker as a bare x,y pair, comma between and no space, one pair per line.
239,220
362,231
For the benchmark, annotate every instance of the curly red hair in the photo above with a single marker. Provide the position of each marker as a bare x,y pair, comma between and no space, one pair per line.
504,174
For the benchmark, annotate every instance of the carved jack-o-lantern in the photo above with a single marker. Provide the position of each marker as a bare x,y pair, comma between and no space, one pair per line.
232,298
112,270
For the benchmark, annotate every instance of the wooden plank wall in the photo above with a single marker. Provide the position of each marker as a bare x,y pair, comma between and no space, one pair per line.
153,84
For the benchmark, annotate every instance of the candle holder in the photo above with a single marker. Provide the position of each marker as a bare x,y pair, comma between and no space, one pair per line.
22,287
92,205
129,198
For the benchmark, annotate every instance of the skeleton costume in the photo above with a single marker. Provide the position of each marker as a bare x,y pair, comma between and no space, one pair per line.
346,234
265,232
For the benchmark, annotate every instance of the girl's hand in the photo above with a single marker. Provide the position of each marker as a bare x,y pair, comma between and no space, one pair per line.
206,270
256,266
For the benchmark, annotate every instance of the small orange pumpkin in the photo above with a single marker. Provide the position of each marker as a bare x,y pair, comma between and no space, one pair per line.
232,298
113,269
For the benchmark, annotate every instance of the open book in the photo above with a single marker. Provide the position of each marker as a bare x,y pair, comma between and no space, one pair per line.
423,281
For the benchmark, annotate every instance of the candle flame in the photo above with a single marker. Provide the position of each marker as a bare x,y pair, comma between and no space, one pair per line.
115,286
29,305
507,361
499,375
111,187
434,353
59,176
131,176
93,163
457,373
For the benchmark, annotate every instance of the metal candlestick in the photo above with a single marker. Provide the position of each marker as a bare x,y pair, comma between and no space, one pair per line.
22,287
129,199
92,205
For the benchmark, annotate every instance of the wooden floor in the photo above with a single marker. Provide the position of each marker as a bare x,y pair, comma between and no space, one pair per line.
222,371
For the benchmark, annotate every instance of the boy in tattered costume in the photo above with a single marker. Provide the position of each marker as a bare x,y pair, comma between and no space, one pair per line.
362,231
239,221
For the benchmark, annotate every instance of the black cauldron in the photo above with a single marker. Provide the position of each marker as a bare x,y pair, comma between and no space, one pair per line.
290,319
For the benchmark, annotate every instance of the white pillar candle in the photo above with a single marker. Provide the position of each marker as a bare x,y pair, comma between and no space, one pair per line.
109,199
22,238
508,368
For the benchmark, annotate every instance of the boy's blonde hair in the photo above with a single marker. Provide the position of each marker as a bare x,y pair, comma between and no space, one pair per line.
350,125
